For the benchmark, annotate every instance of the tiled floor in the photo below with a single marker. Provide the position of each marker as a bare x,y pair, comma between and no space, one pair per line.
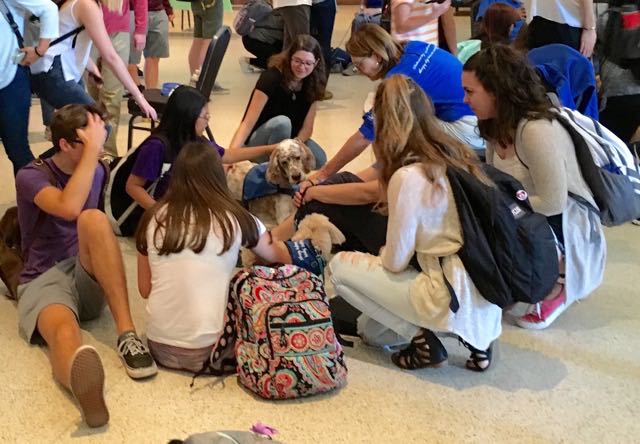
578,381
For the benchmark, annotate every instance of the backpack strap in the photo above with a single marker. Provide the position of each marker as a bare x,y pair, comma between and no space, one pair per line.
73,33
105,183
12,23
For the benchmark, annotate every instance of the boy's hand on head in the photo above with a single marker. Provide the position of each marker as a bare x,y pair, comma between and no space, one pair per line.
93,135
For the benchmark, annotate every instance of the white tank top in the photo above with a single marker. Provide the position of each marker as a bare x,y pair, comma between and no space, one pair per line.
73,59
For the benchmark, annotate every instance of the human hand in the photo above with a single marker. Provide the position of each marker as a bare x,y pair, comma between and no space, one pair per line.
171,17
440,8
587,42
30,56
310,193
139,41
523,13
147,109
93,135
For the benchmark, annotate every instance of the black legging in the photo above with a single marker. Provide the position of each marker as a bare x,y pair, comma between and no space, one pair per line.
364,229
261,50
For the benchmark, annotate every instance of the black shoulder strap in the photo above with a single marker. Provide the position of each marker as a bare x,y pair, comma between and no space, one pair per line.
14,26
73,33
105,183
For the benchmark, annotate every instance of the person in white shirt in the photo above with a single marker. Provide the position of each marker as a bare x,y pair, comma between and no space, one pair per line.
185,264
400,299
15,86
570,22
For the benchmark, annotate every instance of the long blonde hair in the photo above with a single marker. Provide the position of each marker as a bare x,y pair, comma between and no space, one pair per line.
371,40
113,5
407,131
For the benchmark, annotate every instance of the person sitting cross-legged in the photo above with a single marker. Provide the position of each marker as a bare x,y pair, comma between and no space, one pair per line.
73,263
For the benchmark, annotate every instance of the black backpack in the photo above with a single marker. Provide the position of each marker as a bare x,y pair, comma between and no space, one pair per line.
508,250
123,212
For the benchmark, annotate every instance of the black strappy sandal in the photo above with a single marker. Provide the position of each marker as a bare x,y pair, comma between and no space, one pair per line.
425,350
479,360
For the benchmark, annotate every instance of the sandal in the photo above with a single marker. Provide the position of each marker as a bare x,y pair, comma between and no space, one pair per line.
425,350
479,360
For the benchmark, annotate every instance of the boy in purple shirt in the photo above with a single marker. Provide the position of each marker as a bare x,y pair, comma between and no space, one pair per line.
73,263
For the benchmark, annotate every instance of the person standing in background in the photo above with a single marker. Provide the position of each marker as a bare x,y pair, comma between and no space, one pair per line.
296,15
570,22
415,20
15,85
111,91
160,13
323,18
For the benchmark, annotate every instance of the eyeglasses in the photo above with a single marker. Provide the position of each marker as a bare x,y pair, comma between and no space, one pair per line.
305,63
358,63
206,117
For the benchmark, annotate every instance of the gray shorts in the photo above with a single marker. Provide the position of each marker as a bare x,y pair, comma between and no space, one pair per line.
207,18
157,45
66,283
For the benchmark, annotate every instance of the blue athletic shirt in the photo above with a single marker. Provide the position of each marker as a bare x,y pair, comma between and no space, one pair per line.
438,73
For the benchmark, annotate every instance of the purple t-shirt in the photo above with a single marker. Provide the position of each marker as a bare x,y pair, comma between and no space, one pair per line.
56,238
149,162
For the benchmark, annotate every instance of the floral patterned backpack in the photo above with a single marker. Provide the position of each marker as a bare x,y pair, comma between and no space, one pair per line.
286,346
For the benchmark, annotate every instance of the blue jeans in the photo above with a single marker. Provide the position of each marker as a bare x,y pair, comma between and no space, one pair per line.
55,92
277,129
15,100
323,17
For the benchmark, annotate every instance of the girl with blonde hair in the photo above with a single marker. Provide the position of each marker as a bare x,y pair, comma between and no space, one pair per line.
402,293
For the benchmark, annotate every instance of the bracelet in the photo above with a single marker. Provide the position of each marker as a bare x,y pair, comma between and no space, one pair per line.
35,49
591,28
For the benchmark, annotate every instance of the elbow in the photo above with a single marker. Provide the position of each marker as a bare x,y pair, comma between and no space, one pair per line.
144,290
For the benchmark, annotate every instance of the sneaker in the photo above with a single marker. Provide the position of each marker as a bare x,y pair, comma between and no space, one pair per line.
636,222
544,313
135,356
246,66
87,386
219,90
350,70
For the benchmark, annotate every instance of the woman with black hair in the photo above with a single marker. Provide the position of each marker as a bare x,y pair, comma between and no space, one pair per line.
184,120
284,100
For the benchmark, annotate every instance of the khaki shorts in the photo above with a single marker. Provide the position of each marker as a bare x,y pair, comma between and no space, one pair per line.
66,283
157,45
207,18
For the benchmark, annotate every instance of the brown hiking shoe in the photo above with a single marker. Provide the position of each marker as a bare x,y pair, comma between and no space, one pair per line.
87,386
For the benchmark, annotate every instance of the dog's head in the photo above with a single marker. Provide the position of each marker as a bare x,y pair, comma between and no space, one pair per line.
289,163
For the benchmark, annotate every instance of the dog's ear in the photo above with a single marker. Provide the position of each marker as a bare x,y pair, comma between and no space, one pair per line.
308,159
336,235
274,173
302,233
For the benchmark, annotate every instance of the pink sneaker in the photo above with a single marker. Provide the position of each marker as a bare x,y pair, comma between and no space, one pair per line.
544,313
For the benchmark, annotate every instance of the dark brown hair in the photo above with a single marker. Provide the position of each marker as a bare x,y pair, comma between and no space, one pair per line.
371,39
313,86
407,131
518,91
197,200
497,22
70,118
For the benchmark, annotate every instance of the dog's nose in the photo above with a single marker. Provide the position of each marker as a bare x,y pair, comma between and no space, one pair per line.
296,177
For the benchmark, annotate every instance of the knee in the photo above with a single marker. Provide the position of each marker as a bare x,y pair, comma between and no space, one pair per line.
281,126
67,333
339,268
93,220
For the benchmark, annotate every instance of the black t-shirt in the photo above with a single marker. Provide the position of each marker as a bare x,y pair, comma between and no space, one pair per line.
282,102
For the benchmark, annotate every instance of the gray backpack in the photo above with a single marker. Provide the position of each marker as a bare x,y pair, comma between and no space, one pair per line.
225,437
252,12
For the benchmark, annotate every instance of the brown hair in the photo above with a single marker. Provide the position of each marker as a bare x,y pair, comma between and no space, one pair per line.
497,22
197,199
407,131
313,86
371,39
70,118
518,91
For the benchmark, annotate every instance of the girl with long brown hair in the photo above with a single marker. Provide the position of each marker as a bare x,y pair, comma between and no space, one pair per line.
525,140
403,300
188,245
284,101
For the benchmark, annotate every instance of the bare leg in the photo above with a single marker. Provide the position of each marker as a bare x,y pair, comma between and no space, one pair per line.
284,231
59,328
133,72
197,53
100,256
151,69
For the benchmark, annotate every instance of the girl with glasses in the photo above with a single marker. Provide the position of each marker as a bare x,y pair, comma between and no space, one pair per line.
284,101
